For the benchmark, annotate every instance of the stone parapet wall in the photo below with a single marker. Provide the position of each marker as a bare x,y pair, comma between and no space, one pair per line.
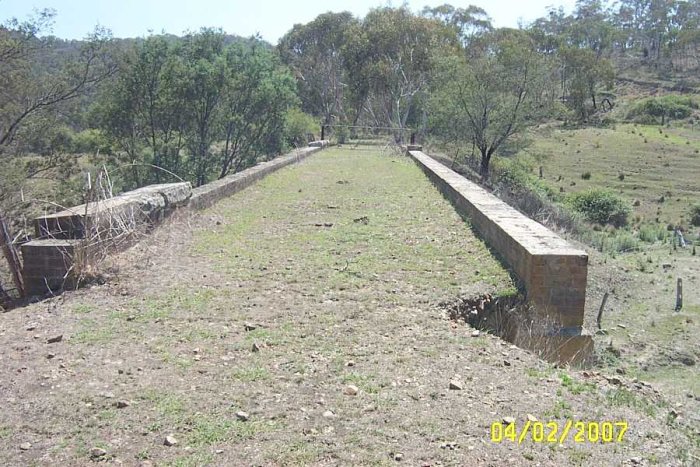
206,195
552,271
75,238
148,204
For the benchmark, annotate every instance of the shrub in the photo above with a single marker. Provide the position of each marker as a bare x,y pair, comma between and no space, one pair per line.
652,233
664,107
298,126
601,206
695,214
616,242
91,141
586,175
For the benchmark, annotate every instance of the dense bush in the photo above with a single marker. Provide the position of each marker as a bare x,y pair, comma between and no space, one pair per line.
695,214
91,141
601,206
669,107
298,126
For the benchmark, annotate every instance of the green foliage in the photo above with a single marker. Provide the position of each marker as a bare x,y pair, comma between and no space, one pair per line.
91,141
196,107
298,126
661,109
619,241
652,233
586,71
390,60
695,214
601,206
469,105
316,51
626,398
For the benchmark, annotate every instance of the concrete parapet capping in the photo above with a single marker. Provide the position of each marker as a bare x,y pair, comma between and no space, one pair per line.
69,241
552,271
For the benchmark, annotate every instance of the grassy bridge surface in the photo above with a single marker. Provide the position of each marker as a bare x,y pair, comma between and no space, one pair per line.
282,301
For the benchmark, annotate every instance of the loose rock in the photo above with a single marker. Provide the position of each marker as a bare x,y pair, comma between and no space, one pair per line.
54,339
242,416
96,453
25,446
170,440
351,390
508,420
456,385
122,404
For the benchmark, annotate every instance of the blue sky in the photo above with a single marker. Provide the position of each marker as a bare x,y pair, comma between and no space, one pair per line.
271,18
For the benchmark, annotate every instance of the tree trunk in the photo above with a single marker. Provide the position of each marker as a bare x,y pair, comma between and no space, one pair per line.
484,167
10,253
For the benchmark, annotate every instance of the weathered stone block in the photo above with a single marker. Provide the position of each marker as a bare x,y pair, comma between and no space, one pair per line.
206,195
553,272
107,218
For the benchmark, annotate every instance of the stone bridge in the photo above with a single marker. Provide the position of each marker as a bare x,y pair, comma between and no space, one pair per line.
551,272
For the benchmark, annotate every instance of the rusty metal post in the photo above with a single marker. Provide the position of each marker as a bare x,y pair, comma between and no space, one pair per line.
679,294
413,138
323,132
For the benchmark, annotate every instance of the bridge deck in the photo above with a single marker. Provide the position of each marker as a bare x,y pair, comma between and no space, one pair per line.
274,302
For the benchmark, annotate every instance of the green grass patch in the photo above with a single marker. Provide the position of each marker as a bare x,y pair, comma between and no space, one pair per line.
92,333
561,410
165,403
196,459
365,382
654,163
251,374
208,430
574,387
82,308
625,398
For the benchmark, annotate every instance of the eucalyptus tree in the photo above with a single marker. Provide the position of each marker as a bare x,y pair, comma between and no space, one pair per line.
314,52
489,98
469,23
259,93
28,90
391,61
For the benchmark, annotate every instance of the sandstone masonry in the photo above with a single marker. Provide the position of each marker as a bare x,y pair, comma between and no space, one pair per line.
553,272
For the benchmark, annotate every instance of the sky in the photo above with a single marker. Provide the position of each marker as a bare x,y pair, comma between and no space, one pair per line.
270,18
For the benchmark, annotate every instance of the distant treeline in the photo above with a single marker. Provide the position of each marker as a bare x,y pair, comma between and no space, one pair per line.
208,104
